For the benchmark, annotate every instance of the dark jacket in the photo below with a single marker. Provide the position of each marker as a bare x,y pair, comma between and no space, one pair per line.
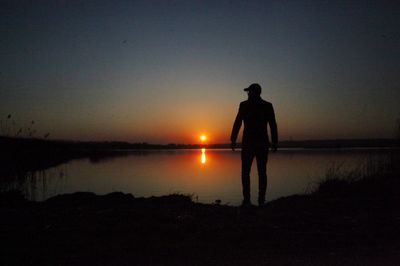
256,115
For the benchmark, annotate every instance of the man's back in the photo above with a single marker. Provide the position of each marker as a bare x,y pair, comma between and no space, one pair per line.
255,114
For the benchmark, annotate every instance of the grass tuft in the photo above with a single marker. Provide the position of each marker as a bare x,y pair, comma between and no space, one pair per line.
370,178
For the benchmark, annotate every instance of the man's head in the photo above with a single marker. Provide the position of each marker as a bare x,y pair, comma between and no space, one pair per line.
254,90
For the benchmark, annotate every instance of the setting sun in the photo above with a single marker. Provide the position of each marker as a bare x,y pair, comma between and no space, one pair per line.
203,138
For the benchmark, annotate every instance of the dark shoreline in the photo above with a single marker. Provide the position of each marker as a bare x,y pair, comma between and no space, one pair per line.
12,143
356,225
19,155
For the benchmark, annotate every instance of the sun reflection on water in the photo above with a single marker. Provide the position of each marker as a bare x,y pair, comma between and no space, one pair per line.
203,156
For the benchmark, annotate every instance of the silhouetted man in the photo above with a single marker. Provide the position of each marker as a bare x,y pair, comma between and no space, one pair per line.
256,114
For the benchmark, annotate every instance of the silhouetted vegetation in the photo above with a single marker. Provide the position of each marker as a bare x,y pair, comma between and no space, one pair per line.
9,128
368,178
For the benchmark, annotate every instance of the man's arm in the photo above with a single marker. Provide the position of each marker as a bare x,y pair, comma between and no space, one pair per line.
274,130
236,127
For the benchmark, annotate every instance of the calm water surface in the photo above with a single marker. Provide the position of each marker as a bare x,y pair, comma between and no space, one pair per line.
206,174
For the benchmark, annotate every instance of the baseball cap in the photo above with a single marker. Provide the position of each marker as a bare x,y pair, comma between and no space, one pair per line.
254,87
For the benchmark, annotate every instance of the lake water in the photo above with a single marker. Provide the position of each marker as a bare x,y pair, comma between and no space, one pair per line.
208,175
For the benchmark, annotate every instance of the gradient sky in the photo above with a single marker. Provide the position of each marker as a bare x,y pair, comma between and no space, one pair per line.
166,71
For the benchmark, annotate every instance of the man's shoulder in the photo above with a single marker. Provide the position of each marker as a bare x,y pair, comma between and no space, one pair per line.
266,102
244,103
262,102
267,105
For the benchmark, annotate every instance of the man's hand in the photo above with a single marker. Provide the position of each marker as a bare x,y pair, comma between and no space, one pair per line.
274,147
233,145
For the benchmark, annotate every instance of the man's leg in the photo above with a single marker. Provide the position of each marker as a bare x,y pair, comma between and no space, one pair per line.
262,159
247,159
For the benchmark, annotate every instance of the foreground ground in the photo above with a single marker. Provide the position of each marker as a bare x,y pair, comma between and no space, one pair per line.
118,229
